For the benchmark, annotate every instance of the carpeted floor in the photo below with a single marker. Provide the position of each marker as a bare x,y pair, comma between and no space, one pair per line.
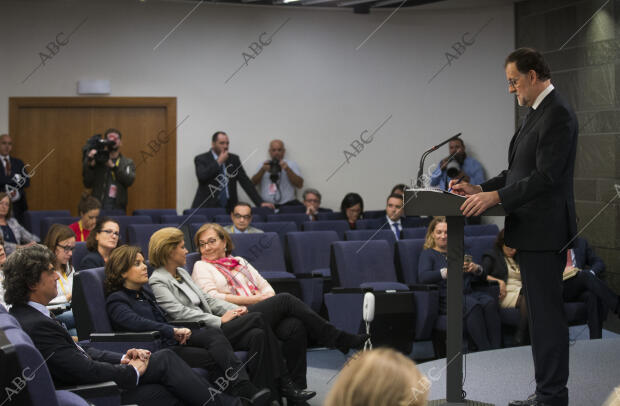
501,375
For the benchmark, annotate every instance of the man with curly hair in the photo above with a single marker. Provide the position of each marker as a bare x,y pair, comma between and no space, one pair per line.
161,378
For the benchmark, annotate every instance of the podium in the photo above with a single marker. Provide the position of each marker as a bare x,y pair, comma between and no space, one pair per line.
430,202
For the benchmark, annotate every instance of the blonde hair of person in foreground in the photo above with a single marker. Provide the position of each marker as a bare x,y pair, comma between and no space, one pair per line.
381,377
614,398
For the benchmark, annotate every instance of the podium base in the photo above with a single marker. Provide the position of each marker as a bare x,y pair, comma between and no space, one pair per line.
444,402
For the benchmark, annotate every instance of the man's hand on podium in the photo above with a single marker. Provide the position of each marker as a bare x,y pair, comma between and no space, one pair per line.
477,204
463,188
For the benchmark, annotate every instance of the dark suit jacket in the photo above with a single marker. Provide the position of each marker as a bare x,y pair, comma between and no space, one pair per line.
131,310
208,191
494,264
91,260
17,166
67,364
537,188
585,258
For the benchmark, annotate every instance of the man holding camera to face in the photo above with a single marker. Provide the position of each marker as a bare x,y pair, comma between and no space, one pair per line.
106,171
278,177
456,166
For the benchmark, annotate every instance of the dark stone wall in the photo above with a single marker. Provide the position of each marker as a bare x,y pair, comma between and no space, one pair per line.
585,62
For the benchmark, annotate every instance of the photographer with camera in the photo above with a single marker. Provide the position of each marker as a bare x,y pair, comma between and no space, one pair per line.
457,165
15,178
278,177
106,171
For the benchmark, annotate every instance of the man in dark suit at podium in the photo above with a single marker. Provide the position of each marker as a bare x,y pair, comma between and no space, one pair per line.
537,193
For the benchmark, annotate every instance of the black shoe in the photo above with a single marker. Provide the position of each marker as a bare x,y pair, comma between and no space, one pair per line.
528,402
347,341
289,390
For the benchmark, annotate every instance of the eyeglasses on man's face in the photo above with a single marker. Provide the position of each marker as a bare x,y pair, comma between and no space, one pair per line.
239,216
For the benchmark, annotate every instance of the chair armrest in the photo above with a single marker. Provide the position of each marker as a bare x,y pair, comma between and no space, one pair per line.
192,325
125,337
420,286
95,390
351,290
307,275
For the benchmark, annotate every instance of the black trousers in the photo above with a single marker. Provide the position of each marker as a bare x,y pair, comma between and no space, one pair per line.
168,380
265,363
597,295
541,273
482,320
209,348
292,320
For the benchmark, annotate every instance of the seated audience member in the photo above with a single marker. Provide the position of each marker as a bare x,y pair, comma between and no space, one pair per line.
480,310
399,189
178,295
312,201
13,233
131,306
242,217
235,280
2,261
502,265
144,378
352,207
100,243
61,241
394,213
88,210
277,178
464,166
380,377
581,281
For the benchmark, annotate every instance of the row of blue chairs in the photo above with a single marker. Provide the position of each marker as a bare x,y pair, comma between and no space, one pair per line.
39,221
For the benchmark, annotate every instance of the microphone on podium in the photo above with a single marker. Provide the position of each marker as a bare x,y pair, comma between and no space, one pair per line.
436,147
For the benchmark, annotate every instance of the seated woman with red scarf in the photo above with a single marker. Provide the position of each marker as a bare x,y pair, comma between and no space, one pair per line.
233,279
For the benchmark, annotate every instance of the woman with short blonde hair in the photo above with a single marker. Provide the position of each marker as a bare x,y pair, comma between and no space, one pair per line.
381,377
235,280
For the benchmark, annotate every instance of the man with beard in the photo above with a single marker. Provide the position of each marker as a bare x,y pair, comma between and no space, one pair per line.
468,167
109,181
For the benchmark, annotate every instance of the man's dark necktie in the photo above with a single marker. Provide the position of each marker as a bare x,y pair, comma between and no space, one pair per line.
224,192
53,317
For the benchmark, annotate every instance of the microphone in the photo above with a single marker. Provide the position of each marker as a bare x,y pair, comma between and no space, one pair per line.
436,147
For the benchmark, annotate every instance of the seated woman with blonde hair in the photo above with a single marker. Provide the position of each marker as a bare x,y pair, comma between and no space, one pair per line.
131,306
181,299
381,377
235,280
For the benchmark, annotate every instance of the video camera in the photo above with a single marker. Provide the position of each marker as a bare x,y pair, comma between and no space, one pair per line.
101,145
274,170
453,167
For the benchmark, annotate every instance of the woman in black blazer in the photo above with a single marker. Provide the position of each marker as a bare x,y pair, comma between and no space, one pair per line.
131,306
100,243
502,266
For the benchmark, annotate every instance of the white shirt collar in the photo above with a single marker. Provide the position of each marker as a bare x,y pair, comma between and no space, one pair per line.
392,222
236,230
39,307
542,96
